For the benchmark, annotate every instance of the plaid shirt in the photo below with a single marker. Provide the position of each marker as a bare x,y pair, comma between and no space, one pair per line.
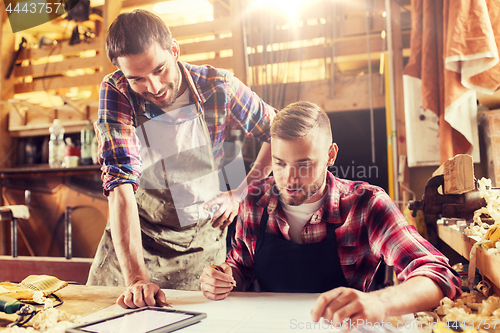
225,101
370,228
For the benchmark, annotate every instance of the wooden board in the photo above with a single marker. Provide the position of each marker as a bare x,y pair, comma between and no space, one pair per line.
488,264
458,174
461,243
17,269
347,92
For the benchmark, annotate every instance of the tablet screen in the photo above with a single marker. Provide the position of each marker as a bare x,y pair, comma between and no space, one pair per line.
137,322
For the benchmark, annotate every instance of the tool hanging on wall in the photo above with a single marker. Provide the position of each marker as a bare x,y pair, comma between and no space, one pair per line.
21,47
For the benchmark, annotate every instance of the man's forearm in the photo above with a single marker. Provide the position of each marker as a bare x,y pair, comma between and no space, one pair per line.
416,294
126,234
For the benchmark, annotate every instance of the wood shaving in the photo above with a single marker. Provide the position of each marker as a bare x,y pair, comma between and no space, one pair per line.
492,199
49,320
471,308
476,230
38,297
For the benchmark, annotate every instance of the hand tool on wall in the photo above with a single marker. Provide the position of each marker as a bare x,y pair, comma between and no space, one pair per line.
22,46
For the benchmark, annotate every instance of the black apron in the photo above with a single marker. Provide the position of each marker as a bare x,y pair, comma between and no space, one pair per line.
284,266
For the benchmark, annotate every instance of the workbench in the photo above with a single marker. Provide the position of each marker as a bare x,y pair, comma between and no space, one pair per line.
488,264
240,312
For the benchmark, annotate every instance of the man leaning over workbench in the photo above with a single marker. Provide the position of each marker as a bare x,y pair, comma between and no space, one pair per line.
305,230
161,130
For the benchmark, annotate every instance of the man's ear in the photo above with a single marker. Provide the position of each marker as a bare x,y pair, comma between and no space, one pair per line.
176,50
332,154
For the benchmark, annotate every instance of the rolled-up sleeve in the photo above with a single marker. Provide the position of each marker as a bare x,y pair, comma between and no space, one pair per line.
249,111
118,145
406,250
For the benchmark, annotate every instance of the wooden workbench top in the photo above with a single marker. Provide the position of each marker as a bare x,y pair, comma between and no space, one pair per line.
79,300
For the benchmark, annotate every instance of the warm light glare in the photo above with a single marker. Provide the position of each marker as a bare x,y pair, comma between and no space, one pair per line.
181,5
290,7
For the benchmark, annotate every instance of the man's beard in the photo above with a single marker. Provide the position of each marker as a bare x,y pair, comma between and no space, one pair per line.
304,195
174,87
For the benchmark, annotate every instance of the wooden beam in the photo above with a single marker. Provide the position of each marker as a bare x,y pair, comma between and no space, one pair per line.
70,270
59,82
458,174
216,62
343,46
8,50
488,264
397,43
135,3
110,13
215,27
349,25
7,40
239,60
216,44
58,67
61,48
351,93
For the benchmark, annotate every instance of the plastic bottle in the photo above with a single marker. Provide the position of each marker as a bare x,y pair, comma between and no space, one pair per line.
95,159
86,136
56,144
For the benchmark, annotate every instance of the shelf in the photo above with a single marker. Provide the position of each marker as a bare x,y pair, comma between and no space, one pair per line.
36,121
43,129
488,264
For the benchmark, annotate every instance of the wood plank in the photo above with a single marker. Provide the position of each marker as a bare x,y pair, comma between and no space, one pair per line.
215,27
216,45
398,65
458,174
239,58
59,83
79,300
110,13
58,67
488,264
43,129
61,48
348,90
85,300
7,40
461,243
215,62
349,26
343,48
17,269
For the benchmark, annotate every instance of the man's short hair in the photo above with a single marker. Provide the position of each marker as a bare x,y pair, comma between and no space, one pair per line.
134,32
298,119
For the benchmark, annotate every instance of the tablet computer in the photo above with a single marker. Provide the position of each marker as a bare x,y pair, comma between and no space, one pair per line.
142,320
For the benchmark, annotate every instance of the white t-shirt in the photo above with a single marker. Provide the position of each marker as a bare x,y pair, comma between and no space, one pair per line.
298,216
181,101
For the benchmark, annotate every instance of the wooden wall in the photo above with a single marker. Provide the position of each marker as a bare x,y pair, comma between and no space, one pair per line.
330,54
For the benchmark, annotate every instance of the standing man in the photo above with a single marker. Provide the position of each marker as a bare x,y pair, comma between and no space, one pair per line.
304,230
161,129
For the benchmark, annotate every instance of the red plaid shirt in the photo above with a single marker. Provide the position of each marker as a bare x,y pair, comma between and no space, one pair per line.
371,228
